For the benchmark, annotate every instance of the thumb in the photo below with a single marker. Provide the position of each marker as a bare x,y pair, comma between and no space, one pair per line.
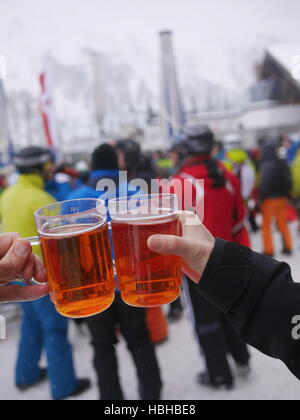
171,245
15,260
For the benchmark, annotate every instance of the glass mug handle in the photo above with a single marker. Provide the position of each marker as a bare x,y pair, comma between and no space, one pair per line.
34,241
113,260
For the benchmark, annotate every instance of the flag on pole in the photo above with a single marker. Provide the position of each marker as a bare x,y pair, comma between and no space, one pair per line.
48,114
172,113
6,147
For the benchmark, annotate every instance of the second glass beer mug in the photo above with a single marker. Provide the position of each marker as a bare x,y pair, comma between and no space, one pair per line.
75,244
145,278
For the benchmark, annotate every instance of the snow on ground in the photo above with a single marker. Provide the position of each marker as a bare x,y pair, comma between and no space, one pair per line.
180,362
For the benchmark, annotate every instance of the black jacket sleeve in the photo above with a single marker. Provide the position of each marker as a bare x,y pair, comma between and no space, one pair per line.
260,298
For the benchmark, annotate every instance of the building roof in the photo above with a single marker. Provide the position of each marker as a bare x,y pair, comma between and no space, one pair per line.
288,58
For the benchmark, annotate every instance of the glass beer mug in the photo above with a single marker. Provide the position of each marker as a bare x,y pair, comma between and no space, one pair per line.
145,278
75,244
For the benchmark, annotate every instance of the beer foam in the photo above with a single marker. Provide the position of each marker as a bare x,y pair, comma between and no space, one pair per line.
145,219
66,231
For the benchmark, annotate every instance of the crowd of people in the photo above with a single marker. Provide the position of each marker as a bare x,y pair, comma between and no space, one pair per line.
238,185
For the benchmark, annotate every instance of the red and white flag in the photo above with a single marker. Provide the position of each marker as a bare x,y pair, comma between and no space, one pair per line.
48,114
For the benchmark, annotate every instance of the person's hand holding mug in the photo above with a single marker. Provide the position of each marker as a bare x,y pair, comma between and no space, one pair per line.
18,261
195,247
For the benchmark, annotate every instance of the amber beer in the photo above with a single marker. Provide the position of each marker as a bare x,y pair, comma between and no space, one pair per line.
145,278
77,256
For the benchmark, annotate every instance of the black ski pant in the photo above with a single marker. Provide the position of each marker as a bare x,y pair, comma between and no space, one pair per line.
132,324
216,336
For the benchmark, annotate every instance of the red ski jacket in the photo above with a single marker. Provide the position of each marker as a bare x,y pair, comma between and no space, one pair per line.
222,210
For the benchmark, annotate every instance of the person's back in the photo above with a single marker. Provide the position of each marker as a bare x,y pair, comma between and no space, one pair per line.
274,191
218,197
19,202
275,176
84,191
218,202
129,320
104,167
239,163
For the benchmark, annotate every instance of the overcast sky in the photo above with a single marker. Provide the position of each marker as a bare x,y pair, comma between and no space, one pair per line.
206,32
